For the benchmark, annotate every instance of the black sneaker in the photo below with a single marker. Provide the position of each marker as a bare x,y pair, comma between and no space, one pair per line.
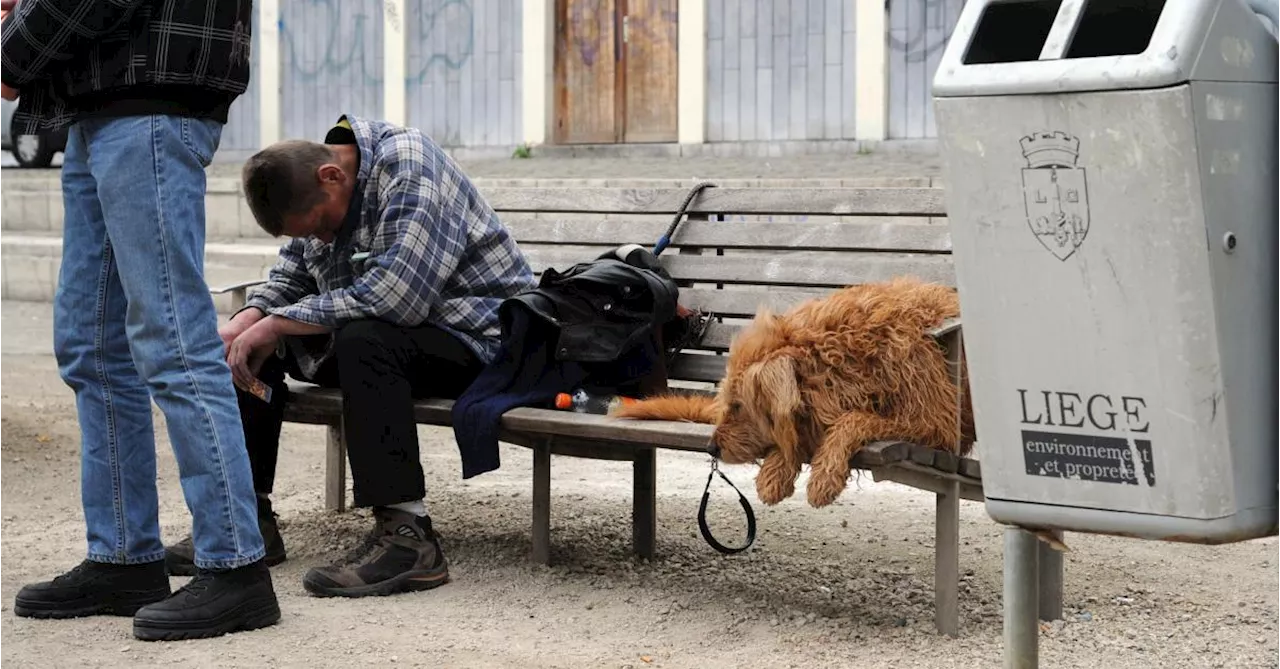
402,554
212,604
94,588
180,557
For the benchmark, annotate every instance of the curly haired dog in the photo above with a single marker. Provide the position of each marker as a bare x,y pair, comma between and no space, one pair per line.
819,382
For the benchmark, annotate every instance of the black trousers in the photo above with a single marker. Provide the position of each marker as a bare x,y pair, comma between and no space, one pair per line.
380,368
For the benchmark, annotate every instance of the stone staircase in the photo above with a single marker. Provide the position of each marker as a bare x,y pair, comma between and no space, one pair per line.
236,248
31,239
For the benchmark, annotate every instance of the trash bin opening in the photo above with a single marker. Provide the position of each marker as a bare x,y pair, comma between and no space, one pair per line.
1115,28
1009,32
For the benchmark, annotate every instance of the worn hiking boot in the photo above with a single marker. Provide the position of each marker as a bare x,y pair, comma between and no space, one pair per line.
94,588
401,554
180,557
212,604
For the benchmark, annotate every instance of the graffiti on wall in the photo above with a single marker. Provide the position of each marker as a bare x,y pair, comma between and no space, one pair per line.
446,33
923,38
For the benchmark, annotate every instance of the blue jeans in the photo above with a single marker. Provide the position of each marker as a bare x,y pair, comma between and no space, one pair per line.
133,321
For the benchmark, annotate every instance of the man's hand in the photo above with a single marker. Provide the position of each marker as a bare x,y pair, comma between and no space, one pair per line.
237,325
7,93
250,349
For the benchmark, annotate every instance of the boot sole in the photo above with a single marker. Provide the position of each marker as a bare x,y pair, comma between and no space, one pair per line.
122,605
250,616
410,581
189,568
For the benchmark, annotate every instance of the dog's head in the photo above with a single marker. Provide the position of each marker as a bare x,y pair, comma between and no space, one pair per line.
759,399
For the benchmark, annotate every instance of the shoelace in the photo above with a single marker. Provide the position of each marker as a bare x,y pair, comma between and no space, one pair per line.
71,575
198,584
362,549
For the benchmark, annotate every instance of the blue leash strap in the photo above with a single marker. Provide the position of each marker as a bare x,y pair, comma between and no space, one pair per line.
665,240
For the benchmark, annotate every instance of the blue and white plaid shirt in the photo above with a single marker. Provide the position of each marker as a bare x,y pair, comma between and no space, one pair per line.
426,248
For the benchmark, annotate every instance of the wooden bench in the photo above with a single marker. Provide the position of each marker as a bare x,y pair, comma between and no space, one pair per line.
740,249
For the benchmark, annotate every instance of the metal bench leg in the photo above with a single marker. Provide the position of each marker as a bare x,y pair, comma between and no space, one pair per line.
1050,581
335,469
542,503
1021,592
946,555
644,511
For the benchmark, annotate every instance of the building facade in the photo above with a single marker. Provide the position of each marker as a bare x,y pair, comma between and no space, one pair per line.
501,73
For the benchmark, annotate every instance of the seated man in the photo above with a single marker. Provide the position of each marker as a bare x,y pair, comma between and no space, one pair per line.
388,290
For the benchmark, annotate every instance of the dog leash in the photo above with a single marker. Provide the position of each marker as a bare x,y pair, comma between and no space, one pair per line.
746,506
665,240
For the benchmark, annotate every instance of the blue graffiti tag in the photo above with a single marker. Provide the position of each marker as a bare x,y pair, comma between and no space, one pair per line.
451,22
456,28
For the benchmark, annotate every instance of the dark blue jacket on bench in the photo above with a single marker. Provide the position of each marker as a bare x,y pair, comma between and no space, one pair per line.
597,326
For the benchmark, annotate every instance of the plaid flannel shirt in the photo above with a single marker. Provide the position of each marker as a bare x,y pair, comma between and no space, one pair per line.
58,50
426,248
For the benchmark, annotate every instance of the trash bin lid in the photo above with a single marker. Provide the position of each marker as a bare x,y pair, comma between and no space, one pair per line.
1018,47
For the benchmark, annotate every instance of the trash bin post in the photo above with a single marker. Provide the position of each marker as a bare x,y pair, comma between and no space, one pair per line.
1021,599
1050,581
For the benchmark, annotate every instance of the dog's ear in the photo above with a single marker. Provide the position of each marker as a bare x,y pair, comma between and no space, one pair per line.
771,390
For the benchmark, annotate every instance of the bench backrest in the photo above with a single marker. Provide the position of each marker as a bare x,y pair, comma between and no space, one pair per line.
741,247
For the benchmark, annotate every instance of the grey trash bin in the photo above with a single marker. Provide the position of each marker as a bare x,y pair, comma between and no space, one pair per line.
1111,190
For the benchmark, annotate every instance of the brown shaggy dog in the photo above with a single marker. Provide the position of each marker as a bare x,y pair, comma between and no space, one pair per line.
822,380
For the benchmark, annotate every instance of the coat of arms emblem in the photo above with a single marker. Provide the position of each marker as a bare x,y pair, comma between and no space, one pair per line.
1055,191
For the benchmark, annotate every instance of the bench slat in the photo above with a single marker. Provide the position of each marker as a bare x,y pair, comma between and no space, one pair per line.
720,334
827,236
745,302
310,402
801,268
692,367
835,201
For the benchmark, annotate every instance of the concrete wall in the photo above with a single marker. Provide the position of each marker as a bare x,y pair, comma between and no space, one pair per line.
780,70
240,137
477,73
462,70
331,63
918,33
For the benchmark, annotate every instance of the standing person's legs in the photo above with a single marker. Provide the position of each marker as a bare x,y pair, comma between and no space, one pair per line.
150,181
381,369
124,570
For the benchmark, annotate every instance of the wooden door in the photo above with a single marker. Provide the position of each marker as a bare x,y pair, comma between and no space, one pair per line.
587,72
615,71
649,31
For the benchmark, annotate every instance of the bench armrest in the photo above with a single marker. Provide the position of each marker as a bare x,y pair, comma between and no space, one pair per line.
239,292
243,285
949,326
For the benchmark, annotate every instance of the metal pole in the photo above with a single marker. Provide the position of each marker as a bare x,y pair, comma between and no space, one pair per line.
1021,599
1050,581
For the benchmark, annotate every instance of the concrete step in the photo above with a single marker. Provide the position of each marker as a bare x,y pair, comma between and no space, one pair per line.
34,204
31,262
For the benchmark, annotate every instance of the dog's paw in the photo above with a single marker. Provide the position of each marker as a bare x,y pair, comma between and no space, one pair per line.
824,490
772,491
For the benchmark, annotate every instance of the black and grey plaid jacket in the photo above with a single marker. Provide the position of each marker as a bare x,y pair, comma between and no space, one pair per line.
72,59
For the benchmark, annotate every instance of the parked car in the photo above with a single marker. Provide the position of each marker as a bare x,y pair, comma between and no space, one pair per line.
29,150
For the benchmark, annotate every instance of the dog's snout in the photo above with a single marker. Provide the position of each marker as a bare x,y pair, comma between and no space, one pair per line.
714,450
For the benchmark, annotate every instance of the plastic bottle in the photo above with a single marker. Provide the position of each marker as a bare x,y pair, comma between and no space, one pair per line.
580,401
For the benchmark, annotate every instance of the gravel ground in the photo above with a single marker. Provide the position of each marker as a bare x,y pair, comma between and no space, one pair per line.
845,586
